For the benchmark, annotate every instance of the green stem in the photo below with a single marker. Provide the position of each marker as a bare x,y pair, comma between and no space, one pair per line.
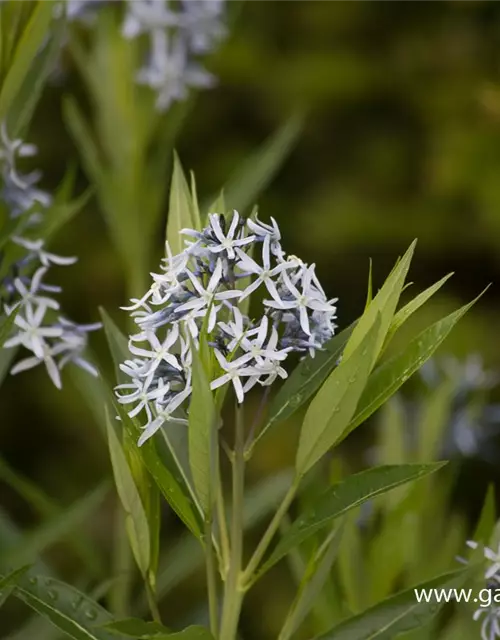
233,595
211,579
153,607
221,521
253,564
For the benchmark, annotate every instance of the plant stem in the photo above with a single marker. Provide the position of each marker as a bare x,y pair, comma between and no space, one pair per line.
221,520
211,579
233,595
248,573
153,607
256,422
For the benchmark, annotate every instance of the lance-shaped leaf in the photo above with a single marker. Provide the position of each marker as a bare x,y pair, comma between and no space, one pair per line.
160,463
62,524
312,583
136,628
165,472
181,213
384,303
135,516
31,88
243,188
8,582
343,497
28,47
202,432
6,325
305,380
414,305
399,614
191,633
335,403
71,611
392,374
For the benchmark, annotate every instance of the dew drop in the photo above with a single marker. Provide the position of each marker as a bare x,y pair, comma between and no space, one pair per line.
91,614
33,580
48,582
352,380
77,602
295,400
53,595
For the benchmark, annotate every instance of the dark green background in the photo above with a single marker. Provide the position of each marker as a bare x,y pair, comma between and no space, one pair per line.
401,141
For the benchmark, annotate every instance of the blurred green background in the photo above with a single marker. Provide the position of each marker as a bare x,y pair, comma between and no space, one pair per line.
401,140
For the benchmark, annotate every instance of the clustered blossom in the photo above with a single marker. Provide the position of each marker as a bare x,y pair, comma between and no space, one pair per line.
38,326
490,616
177,33
201,289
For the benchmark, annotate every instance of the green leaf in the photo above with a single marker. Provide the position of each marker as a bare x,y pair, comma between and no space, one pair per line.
487,518
135,628
6,325
8,582
202,433
219,204
243,188
343,497
315,576
398,614
196,207
160,462
27,49
65,607
117,342
58,527
305,380
335,403
6,358
32,86
135,519
384,303
414,305
393,373
181,214
191,633
369,292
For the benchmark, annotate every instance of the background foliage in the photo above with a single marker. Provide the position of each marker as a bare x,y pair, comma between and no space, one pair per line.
401,140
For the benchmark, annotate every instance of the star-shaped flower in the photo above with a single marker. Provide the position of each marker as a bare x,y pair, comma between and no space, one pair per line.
234,370
227,242
207,297
32,334
159,352
303,300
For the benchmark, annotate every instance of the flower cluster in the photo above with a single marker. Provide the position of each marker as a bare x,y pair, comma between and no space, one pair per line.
203,290
176,36
53,339
490,615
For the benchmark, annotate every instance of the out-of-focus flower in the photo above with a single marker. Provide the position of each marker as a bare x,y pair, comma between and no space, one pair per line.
54,342
176,34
